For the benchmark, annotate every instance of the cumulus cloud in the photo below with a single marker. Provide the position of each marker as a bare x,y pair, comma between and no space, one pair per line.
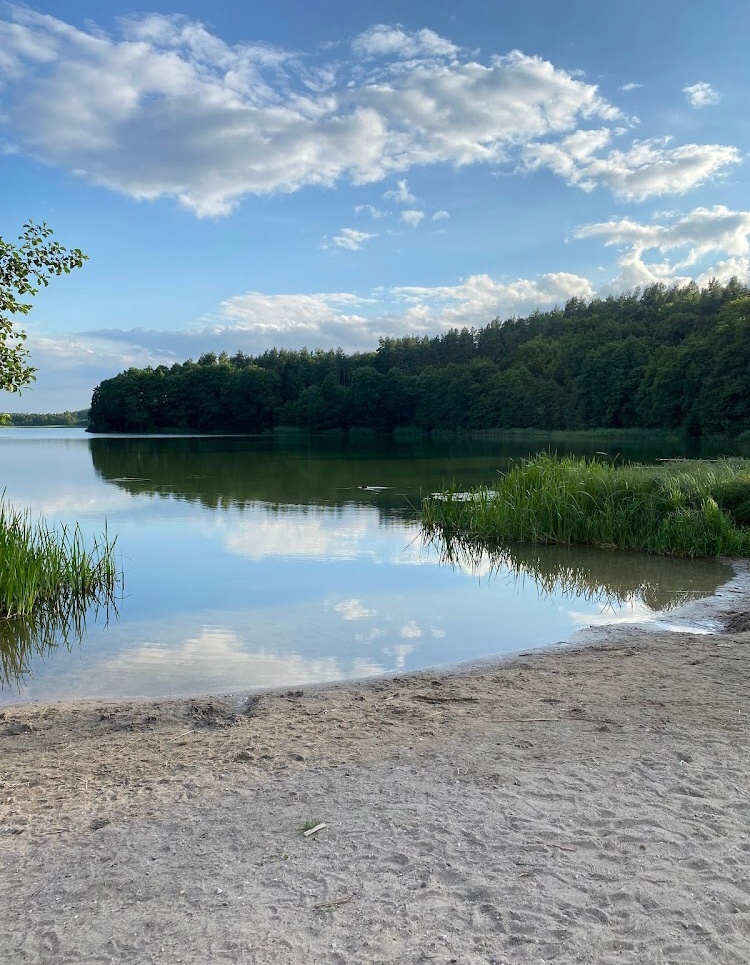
440,215
167,109
383,40
700,95
352,239
479,298
625,88
648,168
695,237
412,217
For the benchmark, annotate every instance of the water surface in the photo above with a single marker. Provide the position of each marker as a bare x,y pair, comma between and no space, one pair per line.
260,562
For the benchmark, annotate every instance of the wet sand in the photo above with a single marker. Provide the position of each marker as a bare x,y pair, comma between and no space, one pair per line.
577,804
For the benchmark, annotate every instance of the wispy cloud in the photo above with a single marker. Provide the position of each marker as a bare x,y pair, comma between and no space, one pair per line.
372,210
647,169
352,239
401,194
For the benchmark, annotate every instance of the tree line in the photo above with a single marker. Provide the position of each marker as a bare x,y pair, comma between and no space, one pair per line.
673,358
77,419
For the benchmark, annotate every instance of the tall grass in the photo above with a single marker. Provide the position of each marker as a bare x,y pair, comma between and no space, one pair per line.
50,570
678,508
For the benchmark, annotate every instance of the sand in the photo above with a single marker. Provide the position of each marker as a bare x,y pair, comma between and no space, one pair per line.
578,804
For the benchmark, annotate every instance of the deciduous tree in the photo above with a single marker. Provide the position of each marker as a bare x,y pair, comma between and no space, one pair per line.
25,266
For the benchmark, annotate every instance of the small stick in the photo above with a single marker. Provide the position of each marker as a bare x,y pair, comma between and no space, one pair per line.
551,844
318,827
343,900
40,890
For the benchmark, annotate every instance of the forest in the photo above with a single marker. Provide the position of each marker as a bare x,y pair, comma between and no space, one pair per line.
77,419
669,358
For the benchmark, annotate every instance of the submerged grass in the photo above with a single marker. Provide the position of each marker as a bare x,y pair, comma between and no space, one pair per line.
678,508
50,571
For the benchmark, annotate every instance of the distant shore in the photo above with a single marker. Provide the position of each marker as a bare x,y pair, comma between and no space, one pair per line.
577,804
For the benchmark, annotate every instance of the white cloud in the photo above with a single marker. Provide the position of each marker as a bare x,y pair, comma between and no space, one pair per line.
167,109
625,88
370,209
411,630
352,239
273,314
648,168
440,215
213,659
354,610
702,233
318,534
480,298
700,95
401,193
383,40
412,217
400,654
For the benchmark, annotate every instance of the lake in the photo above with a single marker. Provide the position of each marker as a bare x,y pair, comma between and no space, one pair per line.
278,561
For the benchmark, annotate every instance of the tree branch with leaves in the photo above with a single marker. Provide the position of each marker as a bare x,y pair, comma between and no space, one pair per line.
26,266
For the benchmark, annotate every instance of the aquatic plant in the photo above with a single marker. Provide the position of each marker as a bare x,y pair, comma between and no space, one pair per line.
49,570
679,508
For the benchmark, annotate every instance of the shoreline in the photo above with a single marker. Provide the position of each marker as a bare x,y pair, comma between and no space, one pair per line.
586,802
706,615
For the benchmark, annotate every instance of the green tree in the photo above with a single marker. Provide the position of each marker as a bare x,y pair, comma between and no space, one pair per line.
25,266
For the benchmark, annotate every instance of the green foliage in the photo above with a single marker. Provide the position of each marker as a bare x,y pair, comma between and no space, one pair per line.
78,419
682,509
43,570
675,359
24,267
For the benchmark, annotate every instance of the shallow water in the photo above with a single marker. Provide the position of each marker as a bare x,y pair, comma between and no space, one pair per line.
262,562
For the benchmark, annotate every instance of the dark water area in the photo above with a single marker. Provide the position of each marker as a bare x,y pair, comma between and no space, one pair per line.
274,561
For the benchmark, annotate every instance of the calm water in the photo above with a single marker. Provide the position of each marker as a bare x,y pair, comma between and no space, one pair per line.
256,562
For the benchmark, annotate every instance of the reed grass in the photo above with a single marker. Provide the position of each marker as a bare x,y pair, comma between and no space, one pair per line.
52,571
679,508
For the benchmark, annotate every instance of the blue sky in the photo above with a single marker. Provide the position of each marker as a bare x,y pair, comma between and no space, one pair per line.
324,174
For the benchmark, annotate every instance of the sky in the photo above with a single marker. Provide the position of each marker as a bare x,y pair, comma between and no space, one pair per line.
325,174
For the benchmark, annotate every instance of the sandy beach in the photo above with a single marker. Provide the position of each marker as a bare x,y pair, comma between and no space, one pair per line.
588,803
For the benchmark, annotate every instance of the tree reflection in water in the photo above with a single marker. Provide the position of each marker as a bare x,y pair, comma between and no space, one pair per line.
611,577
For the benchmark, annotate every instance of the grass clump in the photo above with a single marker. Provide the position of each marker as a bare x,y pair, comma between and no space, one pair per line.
678,508
50,571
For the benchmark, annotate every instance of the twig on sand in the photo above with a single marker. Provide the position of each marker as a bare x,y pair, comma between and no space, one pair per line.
40,890
334,903
318,827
